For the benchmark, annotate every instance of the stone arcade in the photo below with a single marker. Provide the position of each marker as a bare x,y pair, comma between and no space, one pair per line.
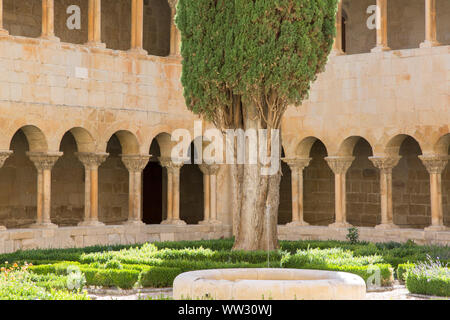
86,117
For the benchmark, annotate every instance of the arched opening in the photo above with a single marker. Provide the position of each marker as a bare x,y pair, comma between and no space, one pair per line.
358,31
154,188
191,190
116,24
23,18
285,208
113,185
443,21
68,176
73,34
157,21
410,185
443,148
363,187
318,184
406,23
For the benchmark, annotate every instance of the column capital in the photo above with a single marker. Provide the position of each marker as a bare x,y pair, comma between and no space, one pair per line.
434,163
169,164
209,169
92,160
385,164
44,161
172,4
339,165
4,154
135,163
297,163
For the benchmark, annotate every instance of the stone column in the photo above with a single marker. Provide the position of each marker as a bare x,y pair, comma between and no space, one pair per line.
435,164
340,165
175,39
135,165
3,32
382,26
3,156
385,165
137,26
94,24
210,193
44,163
91,162
430,25
337,45
173,192
297,166
48,20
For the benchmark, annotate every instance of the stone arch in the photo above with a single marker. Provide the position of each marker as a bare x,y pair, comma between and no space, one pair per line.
442,146
37,142
128,142
347,147
393,145
304,147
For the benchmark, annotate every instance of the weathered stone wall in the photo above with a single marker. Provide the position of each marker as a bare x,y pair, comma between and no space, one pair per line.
191,194
23,18
157,15
116,24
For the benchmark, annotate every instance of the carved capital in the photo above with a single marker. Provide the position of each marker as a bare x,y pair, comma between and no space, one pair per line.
385,164
135,163
297,163
435,164
170,165
340,165
209,169
44,161
91,160
3,156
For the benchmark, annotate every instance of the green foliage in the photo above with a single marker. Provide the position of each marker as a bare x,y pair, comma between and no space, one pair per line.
353,235
403,270
429,278
256,49
157,277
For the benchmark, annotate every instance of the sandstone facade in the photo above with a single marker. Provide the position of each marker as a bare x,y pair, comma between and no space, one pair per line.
81,111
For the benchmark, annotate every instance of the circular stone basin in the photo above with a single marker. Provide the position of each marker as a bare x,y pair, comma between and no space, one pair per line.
268,284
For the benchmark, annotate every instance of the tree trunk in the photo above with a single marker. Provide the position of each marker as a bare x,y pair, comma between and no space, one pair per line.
257,228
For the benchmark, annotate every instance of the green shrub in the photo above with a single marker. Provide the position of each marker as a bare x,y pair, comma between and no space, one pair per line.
124,279
402,271
353,235
158,277
430,278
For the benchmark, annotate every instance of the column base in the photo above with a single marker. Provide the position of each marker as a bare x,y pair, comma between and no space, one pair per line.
297,224
429,44
91,224
2,228
47,225
138,51
50,38
93,44
174,222
210,222
380,49
340,225
4,32
386,226
133,223
437,228
337,52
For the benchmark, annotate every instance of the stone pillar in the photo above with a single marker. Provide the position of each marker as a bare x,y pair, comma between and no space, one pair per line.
175,39
48,20
3,32
385,165
430,25
340,165
91,162
94,24
382,26
44,163
435,164
297,166
137,26
337,45
135,165
210,193
3,156
173,192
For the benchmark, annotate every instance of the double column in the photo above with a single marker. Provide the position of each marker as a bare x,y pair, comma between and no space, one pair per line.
435,164
297,166
430,25
337,45
135,165
44,163
173,191
3,32
48,20
137,26
95,24
381,27
385,165
175,37
3,156
210,193
340,165
91,162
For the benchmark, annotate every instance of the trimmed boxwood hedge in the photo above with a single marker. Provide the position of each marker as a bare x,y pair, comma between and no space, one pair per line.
402,271
422,284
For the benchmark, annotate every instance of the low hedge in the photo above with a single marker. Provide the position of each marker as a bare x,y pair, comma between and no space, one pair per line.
157,277
423,284
402,271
